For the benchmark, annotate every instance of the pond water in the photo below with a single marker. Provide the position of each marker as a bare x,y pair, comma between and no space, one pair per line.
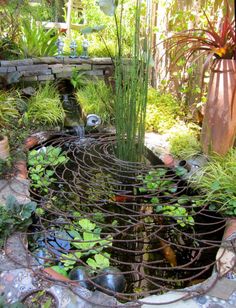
138,226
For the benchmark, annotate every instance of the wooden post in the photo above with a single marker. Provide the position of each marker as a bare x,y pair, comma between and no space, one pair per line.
68,18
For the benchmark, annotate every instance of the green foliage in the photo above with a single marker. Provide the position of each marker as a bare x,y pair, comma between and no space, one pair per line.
162,111
10,16
7,49
59,270
14,216
131,80
91,246
216,181
218,43
181,16
98,49
45,107
41,164
184,141
35,41
101,188
102,44
5,166
99,262
178,212
8,108
97,97
78,79
158,181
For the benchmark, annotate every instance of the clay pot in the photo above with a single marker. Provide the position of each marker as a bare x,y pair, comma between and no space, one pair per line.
219,123
20,168
30,142
4,147
230,228
40,296
225,257
38,138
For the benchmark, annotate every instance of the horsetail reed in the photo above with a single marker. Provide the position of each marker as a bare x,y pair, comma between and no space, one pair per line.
131,81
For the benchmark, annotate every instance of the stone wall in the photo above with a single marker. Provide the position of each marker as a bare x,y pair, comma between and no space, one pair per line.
51,68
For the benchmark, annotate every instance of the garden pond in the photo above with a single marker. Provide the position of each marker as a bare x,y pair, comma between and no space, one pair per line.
127,229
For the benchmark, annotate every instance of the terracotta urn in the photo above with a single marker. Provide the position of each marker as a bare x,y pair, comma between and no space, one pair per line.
4,147
219,123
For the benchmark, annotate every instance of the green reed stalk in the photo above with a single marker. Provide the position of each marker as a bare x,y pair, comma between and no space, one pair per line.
131,89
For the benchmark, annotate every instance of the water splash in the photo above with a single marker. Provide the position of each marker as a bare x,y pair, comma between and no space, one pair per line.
79,131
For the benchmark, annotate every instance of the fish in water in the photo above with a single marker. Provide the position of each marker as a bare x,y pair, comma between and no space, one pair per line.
168,253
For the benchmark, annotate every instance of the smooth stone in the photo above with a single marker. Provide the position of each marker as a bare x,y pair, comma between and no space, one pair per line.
81,274
112,279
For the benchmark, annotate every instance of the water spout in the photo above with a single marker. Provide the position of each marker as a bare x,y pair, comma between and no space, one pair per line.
79,131
65,98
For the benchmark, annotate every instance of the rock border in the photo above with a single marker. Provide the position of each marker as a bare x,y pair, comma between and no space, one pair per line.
52,68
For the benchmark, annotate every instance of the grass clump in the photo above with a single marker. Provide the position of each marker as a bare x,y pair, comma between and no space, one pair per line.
162,111
45,107
184,141
97,98
216,181
8,108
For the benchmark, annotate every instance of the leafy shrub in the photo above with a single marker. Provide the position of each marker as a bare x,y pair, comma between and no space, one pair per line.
78,79
96,97
14,216
162,111
7,49
45,107
184,140
35,41
216,181
99,49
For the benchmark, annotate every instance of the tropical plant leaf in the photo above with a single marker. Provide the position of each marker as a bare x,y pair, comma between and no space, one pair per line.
108,7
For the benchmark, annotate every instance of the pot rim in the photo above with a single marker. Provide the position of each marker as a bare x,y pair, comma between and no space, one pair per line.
31,292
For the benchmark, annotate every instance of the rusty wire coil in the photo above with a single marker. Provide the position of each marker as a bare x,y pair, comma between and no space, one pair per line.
153,251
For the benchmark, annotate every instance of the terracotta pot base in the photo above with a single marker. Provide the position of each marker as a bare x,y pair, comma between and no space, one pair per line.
4,148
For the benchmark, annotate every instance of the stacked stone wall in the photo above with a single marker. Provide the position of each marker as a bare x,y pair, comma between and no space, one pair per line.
51,68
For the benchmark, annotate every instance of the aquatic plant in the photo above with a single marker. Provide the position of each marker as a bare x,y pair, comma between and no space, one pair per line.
157,181
40,164
131,80
91,246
